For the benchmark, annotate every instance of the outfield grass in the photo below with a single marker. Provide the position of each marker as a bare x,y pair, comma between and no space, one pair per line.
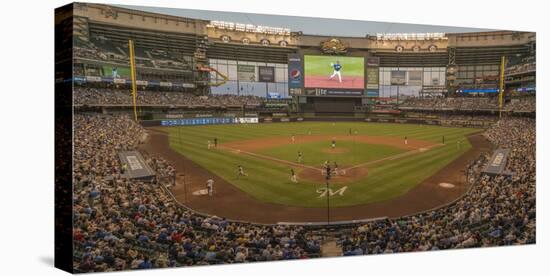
269,181
320,65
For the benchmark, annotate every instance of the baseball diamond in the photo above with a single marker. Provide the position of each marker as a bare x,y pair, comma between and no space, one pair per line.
377,169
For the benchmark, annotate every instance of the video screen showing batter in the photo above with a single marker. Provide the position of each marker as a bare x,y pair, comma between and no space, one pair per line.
334,72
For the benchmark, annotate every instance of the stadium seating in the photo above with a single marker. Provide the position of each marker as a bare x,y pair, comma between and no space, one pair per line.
103,96
128,224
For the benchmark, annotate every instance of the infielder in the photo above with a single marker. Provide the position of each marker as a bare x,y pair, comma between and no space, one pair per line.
406,142
337,68
209,144
333,144
293,138
210,186
300,157
293,177
241,172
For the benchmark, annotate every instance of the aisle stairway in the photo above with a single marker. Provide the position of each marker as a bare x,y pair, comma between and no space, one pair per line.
329,248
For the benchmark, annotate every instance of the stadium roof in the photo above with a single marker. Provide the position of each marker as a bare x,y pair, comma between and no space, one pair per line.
308,25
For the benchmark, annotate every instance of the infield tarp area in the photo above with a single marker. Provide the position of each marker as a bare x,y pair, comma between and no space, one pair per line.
136,168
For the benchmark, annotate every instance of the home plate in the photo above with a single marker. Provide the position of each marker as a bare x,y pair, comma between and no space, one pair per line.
200,192
446,185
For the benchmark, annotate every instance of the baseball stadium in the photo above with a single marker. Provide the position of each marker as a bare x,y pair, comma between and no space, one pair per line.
202,141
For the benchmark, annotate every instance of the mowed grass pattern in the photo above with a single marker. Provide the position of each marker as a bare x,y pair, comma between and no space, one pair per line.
270,181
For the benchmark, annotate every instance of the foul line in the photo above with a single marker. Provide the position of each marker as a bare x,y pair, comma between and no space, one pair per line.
270,158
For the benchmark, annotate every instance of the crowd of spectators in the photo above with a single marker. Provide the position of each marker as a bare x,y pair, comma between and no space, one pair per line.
470,103
122,223
460,103
498,210
526,104
107,96
526,64
103,49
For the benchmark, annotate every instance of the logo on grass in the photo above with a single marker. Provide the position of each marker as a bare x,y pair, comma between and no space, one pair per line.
323,192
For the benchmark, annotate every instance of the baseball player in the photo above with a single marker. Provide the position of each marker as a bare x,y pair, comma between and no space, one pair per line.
335,168
333,145
325,166
215,142
328,171
293,138
300,157
209,144
210,186
406,142
293,177
241,172
337,71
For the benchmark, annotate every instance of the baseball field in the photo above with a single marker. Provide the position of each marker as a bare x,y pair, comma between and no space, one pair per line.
318,70
375,162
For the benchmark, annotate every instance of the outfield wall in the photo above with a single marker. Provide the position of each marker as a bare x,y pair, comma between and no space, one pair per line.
212,121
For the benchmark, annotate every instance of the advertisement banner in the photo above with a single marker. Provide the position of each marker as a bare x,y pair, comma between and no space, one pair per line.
295,74
295,91
246,120
198,121
274,95
373,61
415,78
246,72
372,93
93,79
398,78
333,92
187,85
372,77
142,82
119,81
266,73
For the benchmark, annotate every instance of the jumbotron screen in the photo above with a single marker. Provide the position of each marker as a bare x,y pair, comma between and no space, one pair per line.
334,72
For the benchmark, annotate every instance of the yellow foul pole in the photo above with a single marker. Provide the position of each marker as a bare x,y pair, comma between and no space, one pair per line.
133,75
501,86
